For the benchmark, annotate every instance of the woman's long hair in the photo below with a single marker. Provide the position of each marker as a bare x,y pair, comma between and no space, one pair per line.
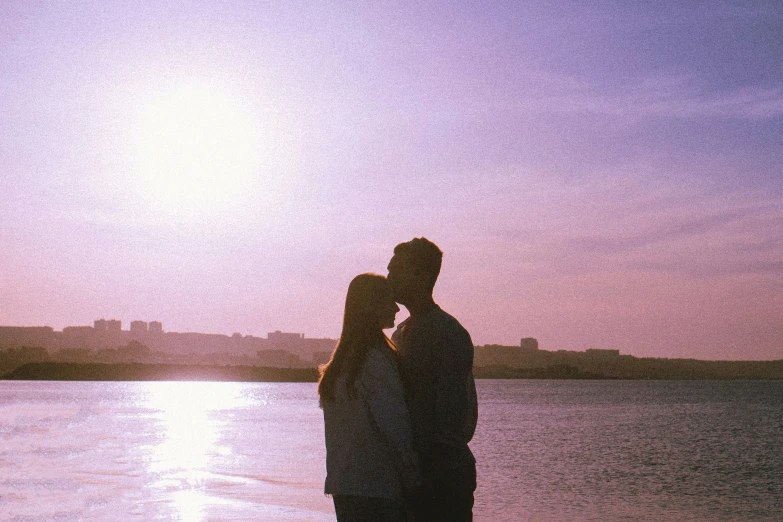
361,331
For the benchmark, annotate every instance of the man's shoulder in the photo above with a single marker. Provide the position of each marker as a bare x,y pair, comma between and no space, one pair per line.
448,325
442,318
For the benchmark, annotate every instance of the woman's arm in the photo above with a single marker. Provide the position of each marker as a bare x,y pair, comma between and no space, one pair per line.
385,396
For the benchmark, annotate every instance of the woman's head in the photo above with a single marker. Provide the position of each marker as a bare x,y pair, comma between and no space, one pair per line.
369,305
369,308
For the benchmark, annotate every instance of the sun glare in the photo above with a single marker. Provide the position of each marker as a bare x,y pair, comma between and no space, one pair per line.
197,150
192,437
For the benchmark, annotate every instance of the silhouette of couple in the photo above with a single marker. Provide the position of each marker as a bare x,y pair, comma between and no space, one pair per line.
399,412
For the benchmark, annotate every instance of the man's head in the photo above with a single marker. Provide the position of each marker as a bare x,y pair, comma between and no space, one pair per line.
413,269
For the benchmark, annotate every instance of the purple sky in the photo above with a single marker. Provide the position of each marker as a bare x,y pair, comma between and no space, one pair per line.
599,176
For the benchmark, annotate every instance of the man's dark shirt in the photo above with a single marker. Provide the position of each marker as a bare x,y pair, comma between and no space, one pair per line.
436,359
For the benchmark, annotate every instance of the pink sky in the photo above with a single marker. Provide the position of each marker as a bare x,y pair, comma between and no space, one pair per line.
603,178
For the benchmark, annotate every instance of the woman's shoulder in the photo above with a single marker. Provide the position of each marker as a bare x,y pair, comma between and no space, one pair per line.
380,359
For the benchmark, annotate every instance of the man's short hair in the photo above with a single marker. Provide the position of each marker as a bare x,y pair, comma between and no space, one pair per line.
423,255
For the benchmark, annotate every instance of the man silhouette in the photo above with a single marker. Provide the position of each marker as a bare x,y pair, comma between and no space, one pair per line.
436,362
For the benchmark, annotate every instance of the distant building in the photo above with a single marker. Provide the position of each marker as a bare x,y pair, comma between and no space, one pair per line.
599,352
156,327
18,336
278,337
78,331
79,337
297,344
138,327
114,325
529,344
100,325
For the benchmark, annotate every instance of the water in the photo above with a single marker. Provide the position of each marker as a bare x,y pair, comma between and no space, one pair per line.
547,450
630,450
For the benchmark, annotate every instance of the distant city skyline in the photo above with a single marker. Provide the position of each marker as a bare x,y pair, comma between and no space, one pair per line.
138,325
598,175
107,336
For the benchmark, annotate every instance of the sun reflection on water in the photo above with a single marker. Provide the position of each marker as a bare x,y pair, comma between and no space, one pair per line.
190,429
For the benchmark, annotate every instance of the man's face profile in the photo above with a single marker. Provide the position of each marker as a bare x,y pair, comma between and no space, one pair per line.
402,277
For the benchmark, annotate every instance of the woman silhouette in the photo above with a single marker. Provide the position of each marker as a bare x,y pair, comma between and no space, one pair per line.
370,462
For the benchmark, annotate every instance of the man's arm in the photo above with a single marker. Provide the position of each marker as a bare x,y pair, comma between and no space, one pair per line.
472,418
455,399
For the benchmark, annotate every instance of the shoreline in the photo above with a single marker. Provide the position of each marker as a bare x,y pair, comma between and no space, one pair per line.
49,371
55,371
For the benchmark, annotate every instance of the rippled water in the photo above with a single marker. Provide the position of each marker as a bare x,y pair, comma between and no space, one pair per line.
631,450
547,450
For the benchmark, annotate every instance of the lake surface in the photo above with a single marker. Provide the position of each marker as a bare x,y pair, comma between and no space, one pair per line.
546,450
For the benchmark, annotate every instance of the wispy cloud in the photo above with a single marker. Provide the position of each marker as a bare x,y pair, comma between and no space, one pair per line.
679,229
628,223
656,97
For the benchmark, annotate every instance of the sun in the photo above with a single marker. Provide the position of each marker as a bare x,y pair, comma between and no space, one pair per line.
197,149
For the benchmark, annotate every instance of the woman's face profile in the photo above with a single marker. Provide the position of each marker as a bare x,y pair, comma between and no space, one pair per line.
387,310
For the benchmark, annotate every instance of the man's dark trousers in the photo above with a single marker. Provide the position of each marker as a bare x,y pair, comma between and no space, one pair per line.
449,483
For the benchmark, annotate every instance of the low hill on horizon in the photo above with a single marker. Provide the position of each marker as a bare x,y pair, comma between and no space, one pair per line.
56,371
50,371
